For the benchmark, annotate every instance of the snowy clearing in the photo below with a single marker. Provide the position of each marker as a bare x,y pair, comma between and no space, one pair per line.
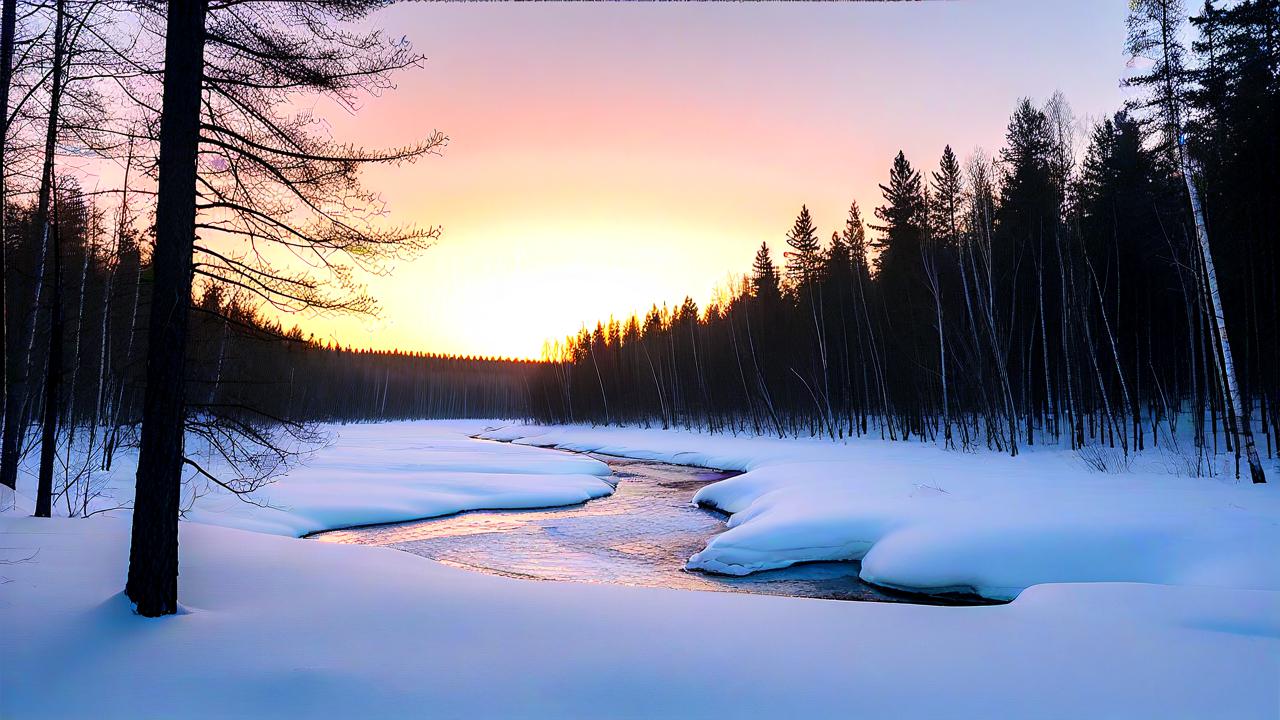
1186,624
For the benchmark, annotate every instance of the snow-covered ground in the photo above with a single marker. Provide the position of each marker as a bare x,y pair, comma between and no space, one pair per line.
292,628
1145,595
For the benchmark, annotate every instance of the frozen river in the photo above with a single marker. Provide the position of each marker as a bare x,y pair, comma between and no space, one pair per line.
640,535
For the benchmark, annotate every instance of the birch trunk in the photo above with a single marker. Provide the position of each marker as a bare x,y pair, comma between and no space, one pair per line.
1243,433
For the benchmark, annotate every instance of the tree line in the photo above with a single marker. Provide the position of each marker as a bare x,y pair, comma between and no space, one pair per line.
243,366
1061,291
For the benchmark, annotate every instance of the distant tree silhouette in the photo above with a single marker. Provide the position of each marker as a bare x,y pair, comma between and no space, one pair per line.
947,209
764,275
804,262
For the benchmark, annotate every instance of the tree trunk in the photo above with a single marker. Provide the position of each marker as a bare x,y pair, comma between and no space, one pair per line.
8,21
1244,433
153,552
52,383
49,238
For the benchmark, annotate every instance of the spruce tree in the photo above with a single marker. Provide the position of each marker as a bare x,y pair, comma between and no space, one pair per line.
839,258
901,215
945,210
855,236
1029,201
805,262
764,275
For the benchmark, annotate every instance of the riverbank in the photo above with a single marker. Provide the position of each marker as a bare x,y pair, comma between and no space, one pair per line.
280,627
927,520
370,473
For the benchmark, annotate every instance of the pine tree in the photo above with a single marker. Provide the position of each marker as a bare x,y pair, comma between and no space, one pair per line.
945,210
804,264
901,214
764,275
901,285
1029,201
855,236
839,259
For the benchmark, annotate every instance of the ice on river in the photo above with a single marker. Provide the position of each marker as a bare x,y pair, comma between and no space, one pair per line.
641,535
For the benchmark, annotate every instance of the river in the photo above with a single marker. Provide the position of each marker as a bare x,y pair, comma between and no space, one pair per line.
641,535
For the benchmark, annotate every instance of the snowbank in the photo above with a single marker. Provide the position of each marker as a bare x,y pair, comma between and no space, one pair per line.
923,519
279,627
375,473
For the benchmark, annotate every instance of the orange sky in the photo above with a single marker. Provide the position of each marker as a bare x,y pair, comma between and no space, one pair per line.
606,157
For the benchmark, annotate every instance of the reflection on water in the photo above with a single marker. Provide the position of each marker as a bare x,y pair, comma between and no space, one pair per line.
640,535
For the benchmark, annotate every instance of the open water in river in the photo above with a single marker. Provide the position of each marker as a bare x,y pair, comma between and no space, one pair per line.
641,535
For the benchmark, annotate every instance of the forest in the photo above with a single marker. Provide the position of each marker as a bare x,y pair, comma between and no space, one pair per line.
1056,291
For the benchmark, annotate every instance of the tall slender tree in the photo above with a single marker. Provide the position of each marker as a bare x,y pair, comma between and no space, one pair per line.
1154,34
50,239
8,24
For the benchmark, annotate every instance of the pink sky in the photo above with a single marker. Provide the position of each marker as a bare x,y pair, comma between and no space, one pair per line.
606,157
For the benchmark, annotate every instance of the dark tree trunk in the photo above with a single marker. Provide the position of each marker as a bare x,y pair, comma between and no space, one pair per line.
52,386
8,20
49,237
153,554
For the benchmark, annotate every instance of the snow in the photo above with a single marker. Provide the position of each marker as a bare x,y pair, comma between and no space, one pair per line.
1136,595
278,627
385,473
921,518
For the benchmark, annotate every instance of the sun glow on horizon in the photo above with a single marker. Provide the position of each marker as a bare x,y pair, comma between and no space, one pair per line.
607,158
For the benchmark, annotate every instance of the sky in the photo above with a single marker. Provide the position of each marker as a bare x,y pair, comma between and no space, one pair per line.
606,157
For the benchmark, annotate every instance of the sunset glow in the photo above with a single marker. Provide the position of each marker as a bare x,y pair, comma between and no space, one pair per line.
607,157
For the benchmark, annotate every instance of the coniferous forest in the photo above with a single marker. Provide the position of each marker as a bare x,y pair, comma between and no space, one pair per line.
1054,291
